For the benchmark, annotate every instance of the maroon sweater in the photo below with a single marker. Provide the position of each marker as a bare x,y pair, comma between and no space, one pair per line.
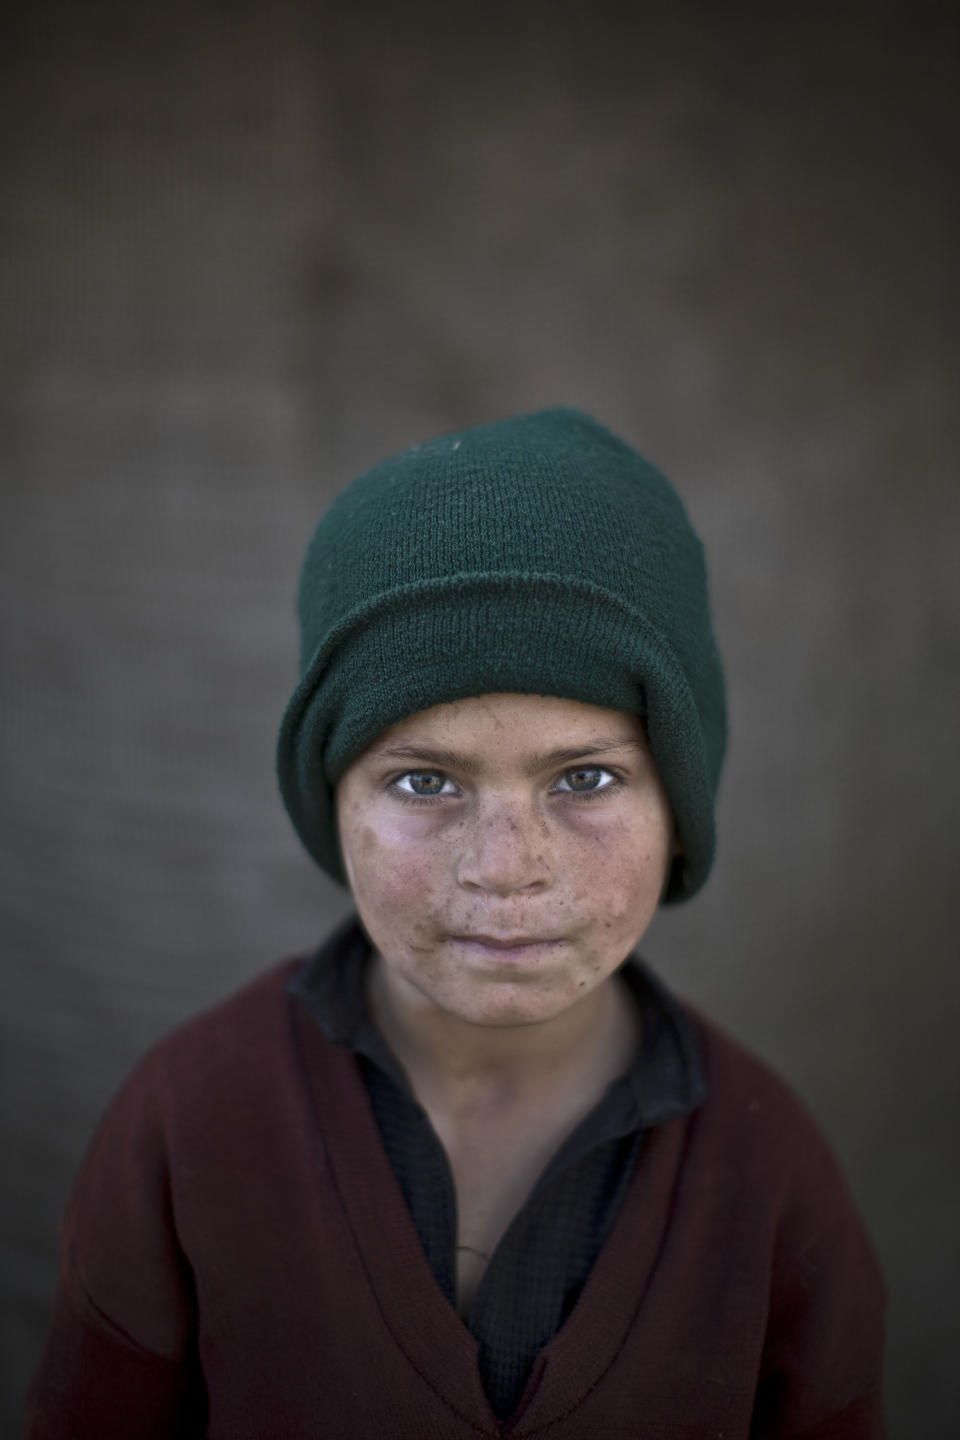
239,1263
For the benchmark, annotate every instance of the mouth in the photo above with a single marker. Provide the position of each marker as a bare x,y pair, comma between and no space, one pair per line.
509,946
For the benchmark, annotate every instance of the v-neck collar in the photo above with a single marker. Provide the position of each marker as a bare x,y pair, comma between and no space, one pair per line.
427,1329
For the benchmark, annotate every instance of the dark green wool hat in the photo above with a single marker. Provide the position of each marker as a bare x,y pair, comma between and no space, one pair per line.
540,555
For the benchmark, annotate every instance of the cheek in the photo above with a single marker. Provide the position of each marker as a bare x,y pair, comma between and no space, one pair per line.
390,871
619,868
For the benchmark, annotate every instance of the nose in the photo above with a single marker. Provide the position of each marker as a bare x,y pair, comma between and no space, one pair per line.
506,852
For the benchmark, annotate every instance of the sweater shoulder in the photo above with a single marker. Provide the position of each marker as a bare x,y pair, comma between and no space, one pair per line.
745,1083
212,1093
234,1022
761,1127
213,1085
227,1050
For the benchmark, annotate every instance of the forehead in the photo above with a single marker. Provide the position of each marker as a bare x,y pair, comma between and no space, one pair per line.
510,726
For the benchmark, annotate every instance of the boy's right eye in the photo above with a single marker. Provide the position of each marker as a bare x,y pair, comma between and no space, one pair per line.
424,784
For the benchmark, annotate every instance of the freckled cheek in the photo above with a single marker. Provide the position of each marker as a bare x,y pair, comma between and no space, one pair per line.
616,870
393,873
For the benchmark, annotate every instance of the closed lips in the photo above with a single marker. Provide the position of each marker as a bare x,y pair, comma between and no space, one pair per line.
510,942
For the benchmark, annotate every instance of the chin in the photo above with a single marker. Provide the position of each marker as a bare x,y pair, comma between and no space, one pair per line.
509,1010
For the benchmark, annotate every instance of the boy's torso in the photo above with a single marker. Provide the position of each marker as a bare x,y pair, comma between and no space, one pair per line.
313,1296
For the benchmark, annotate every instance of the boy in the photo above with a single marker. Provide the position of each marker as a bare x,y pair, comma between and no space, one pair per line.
470,1170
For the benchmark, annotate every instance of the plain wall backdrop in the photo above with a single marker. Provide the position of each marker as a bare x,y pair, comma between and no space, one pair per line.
247,249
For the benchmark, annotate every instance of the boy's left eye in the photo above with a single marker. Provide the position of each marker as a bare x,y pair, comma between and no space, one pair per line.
584,780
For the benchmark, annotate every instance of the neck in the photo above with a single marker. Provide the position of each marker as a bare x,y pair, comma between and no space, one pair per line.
595,1038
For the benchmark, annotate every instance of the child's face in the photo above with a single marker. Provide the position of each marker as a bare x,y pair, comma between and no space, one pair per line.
506,852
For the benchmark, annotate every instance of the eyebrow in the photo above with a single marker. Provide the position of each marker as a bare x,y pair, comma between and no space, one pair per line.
468,765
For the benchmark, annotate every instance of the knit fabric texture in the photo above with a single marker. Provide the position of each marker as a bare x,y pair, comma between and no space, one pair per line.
538,555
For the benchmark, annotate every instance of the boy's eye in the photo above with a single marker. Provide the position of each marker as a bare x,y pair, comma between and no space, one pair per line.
424,783
590,777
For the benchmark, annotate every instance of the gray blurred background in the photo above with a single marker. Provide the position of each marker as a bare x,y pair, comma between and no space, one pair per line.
249,248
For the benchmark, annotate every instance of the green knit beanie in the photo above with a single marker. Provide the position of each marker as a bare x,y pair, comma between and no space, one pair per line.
540,555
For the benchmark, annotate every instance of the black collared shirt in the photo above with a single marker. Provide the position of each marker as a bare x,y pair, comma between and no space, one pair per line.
537,1271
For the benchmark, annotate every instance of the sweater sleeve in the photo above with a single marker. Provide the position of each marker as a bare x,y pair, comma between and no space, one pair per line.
821,1377
120,1357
